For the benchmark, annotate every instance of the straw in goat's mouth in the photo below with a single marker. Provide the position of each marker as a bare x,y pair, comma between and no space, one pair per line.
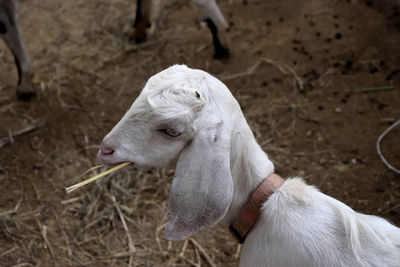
94,178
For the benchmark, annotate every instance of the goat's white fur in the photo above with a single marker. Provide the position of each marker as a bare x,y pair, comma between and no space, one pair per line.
210,9
298,226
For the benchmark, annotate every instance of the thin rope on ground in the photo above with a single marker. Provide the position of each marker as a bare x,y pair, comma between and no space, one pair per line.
378,147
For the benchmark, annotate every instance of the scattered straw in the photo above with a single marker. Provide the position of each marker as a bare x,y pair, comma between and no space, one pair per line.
132,248
62,228
238,249
203,252
282,67
43,232
10,138
94,178
87,71
14,210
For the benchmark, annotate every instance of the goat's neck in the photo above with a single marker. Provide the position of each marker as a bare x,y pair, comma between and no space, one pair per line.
249,167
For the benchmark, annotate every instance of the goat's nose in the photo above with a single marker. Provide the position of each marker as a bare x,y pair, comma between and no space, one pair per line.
104,150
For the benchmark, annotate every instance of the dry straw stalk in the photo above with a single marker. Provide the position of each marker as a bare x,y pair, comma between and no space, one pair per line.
94,178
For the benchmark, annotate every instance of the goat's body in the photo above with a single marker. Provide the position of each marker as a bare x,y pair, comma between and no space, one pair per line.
300,226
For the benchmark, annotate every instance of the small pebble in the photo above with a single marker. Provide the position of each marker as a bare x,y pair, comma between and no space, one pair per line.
338,110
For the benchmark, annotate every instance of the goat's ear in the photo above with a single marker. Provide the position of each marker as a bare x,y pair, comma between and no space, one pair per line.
202,188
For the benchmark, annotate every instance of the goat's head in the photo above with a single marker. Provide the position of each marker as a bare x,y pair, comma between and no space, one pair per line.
183,118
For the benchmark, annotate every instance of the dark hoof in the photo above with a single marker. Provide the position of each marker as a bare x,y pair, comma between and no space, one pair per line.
139,32
26,93
137,37
221,53
139,40
26,96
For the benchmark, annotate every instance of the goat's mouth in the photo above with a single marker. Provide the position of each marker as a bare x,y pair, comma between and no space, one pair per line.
110,160
111,163
130,163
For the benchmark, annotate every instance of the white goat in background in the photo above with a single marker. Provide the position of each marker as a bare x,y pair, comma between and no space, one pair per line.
189,119
10,32
148,10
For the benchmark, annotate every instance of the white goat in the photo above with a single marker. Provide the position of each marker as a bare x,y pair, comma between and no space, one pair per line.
148,10
189,119
10,32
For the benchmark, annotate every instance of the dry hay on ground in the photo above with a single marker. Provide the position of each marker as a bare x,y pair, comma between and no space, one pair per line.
87,77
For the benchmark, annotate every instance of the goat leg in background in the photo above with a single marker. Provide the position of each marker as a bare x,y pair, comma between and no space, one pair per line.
220,51
10,32
217,24
142,21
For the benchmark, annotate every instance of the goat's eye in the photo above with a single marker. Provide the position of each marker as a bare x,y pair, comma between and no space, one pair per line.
170,132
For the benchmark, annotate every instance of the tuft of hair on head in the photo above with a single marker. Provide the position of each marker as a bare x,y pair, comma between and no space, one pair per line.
172,102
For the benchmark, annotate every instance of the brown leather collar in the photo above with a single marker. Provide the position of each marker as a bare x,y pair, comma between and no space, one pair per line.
252,209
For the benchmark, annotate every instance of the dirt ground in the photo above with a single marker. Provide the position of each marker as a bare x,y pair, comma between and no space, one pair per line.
87,77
